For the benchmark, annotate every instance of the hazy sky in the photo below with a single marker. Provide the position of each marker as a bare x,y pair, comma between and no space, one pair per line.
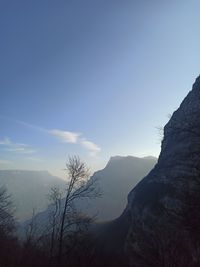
91,77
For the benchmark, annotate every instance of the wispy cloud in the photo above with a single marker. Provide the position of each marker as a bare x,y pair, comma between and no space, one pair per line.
35,159
4,162
23,123
16,147
62,135
65,136
5,141
93,148
75,138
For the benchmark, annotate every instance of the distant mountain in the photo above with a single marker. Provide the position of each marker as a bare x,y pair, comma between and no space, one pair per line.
29,189
115,182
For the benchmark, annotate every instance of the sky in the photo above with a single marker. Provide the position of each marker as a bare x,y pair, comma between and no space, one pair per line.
93,78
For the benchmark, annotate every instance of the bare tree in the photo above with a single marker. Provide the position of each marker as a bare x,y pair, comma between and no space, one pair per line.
55,197
7,222
31,230
9,249
79,186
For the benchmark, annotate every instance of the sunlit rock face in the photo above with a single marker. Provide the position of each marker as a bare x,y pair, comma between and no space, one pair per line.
164,206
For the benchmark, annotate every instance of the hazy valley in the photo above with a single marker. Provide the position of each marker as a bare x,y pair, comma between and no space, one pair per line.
99,133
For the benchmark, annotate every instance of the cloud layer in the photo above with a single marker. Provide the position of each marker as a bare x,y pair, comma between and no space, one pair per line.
65,136
4,162
75,138
62,135
16,147
92,147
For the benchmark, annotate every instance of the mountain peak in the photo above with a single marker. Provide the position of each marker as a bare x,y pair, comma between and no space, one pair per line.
117,159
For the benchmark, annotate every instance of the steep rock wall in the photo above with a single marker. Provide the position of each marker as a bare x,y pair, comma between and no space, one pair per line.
163,207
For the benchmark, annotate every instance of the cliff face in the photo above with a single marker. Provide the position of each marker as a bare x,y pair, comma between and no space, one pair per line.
164,207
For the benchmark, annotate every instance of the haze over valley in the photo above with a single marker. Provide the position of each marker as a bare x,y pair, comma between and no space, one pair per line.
30,189
99,133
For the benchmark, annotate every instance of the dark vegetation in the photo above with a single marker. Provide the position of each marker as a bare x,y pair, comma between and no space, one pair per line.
71,239
66,240
64,235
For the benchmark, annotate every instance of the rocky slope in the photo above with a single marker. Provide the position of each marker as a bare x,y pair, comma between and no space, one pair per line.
163,209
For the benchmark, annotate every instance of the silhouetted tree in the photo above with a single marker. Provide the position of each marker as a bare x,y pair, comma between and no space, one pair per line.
55,198
67,219
9,247
7,222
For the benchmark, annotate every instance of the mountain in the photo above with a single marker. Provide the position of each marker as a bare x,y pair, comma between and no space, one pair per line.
28,189
115,181
160,225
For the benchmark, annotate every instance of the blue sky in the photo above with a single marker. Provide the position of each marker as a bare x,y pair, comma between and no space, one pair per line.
91,77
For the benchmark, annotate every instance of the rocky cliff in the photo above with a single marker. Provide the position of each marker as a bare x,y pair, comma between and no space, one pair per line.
163,209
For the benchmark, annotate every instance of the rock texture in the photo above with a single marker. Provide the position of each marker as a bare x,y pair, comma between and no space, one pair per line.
164,207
